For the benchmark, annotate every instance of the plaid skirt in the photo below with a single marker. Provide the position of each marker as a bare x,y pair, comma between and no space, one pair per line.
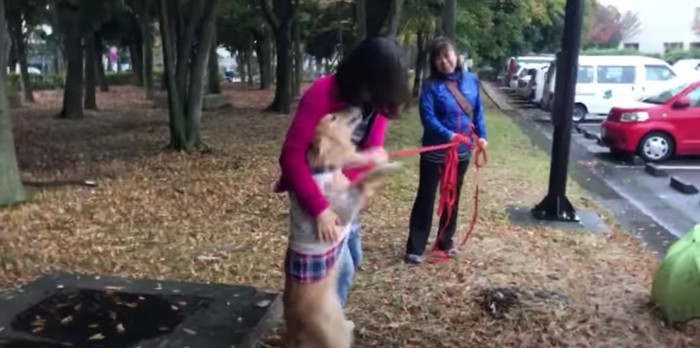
309,268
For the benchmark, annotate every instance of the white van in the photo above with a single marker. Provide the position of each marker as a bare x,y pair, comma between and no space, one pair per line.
537,84
604,81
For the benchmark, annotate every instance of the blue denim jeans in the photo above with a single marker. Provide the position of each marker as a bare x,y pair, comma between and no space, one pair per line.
350,258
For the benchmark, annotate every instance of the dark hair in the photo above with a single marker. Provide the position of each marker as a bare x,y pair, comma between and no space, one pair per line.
438,46
375,69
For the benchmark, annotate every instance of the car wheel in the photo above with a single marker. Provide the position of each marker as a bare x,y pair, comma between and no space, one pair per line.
656,147
579,113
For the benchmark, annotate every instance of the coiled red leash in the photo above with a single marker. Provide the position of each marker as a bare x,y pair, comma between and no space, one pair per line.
448,184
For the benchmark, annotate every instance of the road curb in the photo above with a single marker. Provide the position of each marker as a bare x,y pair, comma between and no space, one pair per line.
654,170
681,186
496,98
634,207
588,135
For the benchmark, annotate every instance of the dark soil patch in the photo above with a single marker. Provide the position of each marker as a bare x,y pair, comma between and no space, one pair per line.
102,319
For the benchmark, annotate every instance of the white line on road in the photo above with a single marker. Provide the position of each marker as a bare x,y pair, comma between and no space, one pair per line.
629,166
679,167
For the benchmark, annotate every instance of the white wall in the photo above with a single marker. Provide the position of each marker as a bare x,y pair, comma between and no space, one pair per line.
663,21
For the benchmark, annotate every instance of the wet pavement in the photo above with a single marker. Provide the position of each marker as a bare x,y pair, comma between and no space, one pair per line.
645,205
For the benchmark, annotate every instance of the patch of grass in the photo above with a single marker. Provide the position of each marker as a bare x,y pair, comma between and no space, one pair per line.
213,218
511,154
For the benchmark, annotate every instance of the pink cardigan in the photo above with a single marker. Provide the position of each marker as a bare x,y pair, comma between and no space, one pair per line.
316,102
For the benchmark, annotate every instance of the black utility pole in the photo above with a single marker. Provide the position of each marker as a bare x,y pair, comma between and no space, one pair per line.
556,206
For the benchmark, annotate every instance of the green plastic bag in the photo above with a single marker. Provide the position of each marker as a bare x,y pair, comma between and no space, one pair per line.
676,287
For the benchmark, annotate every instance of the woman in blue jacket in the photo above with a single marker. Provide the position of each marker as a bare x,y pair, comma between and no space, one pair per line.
440,112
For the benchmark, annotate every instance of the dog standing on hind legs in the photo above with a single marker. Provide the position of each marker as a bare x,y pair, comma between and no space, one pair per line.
312,311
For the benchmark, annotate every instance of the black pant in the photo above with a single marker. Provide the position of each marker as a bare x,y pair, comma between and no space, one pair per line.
423,208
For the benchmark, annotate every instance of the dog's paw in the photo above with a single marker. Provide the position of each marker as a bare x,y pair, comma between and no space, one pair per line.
385,169
376,176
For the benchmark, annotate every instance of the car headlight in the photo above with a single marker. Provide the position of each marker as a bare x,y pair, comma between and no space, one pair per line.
639,116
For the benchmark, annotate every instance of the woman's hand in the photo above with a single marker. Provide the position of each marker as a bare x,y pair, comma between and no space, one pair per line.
378,154
459,137
327,224
482,143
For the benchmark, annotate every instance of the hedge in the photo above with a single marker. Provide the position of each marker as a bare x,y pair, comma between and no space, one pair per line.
57,81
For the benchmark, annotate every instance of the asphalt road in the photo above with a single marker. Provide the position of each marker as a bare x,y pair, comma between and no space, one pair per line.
629,173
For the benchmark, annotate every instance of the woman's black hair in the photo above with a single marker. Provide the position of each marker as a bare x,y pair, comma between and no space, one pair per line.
375,72
437,47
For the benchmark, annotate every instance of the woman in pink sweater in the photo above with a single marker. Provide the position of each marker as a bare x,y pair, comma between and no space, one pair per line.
373,77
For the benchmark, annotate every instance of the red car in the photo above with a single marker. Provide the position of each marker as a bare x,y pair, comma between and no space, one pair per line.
658,127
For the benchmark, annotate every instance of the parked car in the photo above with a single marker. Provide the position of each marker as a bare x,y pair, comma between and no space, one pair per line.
686,65
515,64
522,71
604,81
524,91
537,83
548,88
657,127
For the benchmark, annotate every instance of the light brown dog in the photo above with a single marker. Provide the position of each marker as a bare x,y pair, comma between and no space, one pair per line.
313,314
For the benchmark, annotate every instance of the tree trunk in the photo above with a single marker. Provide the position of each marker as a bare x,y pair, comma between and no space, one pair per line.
361,19
393,19
20,45
449,19
13,60
90,70
199,65
176,113
214,80
99,63
73,40
136,54
242,71
263,49
185,76
283,90
280,19
11,188
298,59
273,60
421,61
147,39
249,62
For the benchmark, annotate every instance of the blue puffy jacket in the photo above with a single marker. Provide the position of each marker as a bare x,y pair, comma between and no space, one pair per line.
439,110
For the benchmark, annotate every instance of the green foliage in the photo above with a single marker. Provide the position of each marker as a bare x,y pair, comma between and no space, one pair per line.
31,12
13,95
419,15
490,31
322,26
237,20
57,81
39,82
676,55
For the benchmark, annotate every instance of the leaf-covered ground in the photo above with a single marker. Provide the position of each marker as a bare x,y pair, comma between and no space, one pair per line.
213,218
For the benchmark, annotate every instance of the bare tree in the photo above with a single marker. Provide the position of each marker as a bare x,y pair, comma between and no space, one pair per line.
630,26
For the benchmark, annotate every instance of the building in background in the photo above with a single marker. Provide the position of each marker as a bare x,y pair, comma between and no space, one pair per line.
665,25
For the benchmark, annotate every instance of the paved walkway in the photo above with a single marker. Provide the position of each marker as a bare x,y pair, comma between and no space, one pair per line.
638,209
498,98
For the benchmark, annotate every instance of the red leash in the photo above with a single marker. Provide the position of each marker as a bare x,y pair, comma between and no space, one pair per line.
448,184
